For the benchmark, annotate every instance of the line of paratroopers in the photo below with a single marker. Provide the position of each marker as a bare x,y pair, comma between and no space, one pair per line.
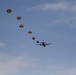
21,25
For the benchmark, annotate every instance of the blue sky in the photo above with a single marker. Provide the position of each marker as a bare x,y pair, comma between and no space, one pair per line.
49,20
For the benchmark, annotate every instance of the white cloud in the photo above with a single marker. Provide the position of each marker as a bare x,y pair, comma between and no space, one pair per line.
55,67
73,71
11,64
58,69
69,71
65,6
2,44
50,6
61,69
65,20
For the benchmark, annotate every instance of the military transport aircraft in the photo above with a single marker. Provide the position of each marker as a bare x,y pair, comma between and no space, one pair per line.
44,44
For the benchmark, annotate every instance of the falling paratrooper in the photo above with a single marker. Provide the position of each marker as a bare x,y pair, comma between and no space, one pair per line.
18,17
33,38
9,10
37,41
21,26
29,32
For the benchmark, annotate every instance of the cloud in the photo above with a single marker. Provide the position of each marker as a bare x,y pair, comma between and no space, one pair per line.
65,6
2,44
68,18
65,20
49,6
73,71
61,69
56,67
11,64
69,71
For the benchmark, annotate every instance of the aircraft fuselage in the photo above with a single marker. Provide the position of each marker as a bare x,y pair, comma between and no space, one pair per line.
43,44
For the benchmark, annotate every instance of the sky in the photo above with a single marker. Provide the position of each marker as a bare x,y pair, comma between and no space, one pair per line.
50,21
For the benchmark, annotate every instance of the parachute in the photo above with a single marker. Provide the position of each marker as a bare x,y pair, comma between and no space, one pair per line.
37,41
21,25
29,32
9,10
18,18
33,38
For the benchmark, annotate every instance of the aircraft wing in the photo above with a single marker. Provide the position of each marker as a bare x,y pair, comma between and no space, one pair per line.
48,43
39,44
